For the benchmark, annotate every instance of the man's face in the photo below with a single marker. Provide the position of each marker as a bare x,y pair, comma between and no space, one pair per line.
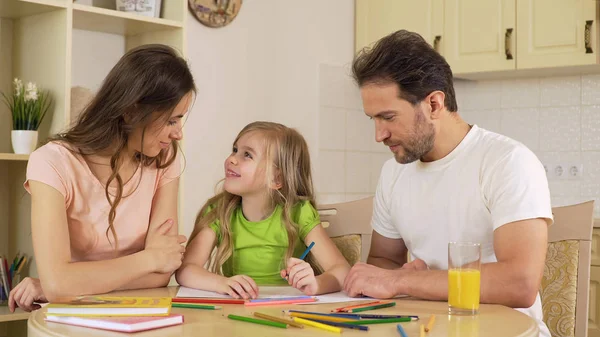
404,128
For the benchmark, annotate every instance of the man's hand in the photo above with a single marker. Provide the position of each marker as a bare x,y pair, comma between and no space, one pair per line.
417,264
368,280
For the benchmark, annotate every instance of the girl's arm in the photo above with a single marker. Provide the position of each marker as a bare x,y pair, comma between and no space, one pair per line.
61,277
193,273
329,257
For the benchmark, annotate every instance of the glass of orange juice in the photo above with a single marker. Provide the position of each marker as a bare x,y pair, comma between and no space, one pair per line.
464,278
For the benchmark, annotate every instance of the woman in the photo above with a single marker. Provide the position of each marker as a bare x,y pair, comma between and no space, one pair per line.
104,193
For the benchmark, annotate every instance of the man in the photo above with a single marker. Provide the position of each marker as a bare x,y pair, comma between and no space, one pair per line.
450,181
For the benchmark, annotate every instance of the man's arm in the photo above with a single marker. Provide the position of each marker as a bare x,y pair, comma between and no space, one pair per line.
513,281
387,253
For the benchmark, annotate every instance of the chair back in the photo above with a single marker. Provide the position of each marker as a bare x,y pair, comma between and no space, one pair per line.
566,281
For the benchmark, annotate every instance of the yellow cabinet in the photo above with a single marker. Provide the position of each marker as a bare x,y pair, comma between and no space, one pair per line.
480,35
554,33
594,308
378,18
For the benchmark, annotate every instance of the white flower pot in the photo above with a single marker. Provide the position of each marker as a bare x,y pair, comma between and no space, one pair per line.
24,141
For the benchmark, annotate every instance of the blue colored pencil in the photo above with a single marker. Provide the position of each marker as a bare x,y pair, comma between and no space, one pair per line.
342,325
280,299
401,330
307,251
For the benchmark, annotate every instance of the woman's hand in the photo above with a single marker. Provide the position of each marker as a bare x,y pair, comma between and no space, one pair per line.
240,286
301,276
166,250
25,293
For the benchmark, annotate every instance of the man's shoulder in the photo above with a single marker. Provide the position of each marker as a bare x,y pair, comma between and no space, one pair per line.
496,148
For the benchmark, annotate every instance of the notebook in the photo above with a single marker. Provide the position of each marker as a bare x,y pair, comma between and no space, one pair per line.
122,324
110,306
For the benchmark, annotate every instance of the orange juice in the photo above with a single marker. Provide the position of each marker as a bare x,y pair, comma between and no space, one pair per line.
463,288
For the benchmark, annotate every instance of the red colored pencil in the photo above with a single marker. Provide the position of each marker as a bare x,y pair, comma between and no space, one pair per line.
207,300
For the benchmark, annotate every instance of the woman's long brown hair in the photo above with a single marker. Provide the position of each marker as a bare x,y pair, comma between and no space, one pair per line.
143,87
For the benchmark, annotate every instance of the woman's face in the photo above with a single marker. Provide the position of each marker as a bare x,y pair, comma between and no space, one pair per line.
159,135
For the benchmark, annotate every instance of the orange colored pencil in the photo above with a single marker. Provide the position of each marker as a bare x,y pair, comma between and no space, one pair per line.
355,306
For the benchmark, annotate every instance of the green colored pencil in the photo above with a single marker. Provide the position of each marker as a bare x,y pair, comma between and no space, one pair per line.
196,306
381,321
372,307
257,321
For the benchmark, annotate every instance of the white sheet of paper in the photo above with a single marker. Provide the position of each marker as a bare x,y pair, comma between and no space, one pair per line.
275,292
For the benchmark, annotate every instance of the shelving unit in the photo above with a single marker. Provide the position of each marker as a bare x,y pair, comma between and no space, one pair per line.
36,44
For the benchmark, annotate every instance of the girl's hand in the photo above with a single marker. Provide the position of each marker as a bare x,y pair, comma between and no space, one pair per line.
25,293
166,250
240,286
301,276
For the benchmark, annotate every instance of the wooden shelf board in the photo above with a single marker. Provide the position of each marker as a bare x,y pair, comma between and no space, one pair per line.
7,316
12,156
117,22
14,9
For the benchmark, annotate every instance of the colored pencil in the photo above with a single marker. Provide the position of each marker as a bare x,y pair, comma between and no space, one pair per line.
430,323
343,325
307,250
342,315
401,330
355,306
257,321
278,302
352,316
373,307
322,317
207,300
279,319
422,330
317,325
383,321
195,306
280,299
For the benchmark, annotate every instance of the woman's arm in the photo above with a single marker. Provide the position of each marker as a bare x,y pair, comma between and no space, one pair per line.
61,277
164,206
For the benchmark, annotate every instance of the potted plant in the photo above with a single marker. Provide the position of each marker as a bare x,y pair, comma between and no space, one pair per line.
28,106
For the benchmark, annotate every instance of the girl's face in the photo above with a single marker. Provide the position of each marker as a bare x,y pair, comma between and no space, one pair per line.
245,166
159,135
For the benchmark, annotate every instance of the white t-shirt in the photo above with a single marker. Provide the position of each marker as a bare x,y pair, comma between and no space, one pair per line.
487,181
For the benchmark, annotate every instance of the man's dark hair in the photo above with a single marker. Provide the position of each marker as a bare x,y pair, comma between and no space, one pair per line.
406,59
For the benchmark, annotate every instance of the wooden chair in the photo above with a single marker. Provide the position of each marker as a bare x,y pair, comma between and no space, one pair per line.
349,226
565,284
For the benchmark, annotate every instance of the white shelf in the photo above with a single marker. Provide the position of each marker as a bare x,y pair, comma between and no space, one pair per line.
7,316
14,9
117,22
12,156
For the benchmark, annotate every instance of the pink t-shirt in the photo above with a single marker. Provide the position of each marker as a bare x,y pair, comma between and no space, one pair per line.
86,204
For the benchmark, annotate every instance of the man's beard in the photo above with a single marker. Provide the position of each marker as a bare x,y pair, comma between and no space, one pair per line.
419,145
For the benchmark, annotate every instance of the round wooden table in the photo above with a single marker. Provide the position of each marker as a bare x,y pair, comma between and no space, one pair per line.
492,321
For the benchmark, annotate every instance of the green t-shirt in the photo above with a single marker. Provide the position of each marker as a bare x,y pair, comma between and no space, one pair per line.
259,248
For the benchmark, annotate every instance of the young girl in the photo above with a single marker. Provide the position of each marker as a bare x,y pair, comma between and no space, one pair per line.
104,193
262,221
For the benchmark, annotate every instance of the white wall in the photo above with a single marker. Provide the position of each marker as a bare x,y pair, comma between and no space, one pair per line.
88,70
263,66
558,118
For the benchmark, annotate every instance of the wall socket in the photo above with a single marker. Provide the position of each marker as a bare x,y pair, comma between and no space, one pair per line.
564,171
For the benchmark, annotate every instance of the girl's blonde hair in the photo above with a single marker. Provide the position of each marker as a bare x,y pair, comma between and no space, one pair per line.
287,161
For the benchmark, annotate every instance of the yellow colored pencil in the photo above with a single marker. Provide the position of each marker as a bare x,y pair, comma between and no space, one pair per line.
422,330
430,323
322,318
317,325
279,319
